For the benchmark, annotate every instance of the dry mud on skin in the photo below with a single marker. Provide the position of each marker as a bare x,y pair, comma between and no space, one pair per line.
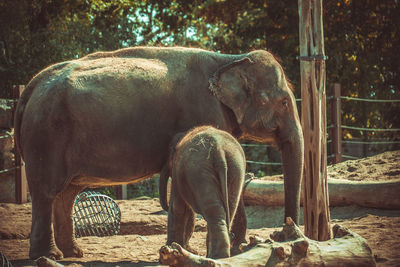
144,224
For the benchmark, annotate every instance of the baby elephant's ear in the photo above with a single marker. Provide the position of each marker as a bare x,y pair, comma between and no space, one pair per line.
229,84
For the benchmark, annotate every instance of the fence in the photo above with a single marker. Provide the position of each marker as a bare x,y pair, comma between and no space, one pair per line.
335,127
12,170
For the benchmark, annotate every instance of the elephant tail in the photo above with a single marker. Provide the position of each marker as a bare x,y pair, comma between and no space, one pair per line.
223,178
163,185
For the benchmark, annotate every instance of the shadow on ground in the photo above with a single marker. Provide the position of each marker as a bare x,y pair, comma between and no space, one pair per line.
272,217
30,263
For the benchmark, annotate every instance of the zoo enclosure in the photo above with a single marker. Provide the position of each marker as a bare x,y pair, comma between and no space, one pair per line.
336,143
13,184
12,170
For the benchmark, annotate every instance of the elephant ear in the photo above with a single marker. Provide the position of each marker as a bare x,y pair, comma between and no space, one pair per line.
230,85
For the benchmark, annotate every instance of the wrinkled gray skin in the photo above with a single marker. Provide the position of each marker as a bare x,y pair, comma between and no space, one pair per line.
208,170
108,118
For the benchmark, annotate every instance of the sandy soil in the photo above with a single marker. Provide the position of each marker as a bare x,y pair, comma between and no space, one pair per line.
144,224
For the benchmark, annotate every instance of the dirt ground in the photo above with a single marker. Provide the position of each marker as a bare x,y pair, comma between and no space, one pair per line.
144,224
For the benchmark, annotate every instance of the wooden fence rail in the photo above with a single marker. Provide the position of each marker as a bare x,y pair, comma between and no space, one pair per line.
21,186
335,127
336,130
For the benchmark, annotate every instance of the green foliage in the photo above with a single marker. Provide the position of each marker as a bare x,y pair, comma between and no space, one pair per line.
263,154
148,187
109,191
361,40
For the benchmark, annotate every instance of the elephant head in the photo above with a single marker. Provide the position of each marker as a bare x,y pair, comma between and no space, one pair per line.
256,90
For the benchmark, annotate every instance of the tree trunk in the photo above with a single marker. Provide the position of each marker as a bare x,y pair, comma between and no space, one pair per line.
380,195
313,114
289,247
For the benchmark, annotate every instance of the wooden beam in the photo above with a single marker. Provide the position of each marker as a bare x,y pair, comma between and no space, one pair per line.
369,194
122,191
21,185
336,111
313,106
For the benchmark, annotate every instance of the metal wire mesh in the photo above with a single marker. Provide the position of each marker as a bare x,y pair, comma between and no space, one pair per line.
96,215
4,261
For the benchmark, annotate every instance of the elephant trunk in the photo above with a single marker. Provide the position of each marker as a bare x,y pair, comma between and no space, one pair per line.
292,150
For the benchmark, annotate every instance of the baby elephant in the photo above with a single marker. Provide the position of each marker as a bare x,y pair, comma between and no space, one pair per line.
208,169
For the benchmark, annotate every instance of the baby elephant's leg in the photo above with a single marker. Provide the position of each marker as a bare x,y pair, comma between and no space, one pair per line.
238,229
209,202
218,243
180,216
189,227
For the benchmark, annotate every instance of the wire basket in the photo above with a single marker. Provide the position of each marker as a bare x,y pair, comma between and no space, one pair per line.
4,262
96,214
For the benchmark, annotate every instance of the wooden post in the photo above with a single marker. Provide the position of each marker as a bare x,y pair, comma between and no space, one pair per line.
336,111
21,185
122,192
313,106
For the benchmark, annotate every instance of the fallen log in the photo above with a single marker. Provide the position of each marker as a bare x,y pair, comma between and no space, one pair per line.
288,247
47,262
382,195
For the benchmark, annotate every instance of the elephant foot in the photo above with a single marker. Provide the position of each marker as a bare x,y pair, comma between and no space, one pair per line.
53,253
191,249
235,250
175,255
74,252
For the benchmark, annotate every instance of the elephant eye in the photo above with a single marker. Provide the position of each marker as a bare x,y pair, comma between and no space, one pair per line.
264,98
285,103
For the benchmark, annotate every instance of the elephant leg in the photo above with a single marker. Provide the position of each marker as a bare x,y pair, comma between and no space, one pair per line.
213,211
180,219
239,227
189,226
63,223
218,245
46,174
209,203
42,237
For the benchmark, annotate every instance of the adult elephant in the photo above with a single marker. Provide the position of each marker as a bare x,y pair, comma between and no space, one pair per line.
108,118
